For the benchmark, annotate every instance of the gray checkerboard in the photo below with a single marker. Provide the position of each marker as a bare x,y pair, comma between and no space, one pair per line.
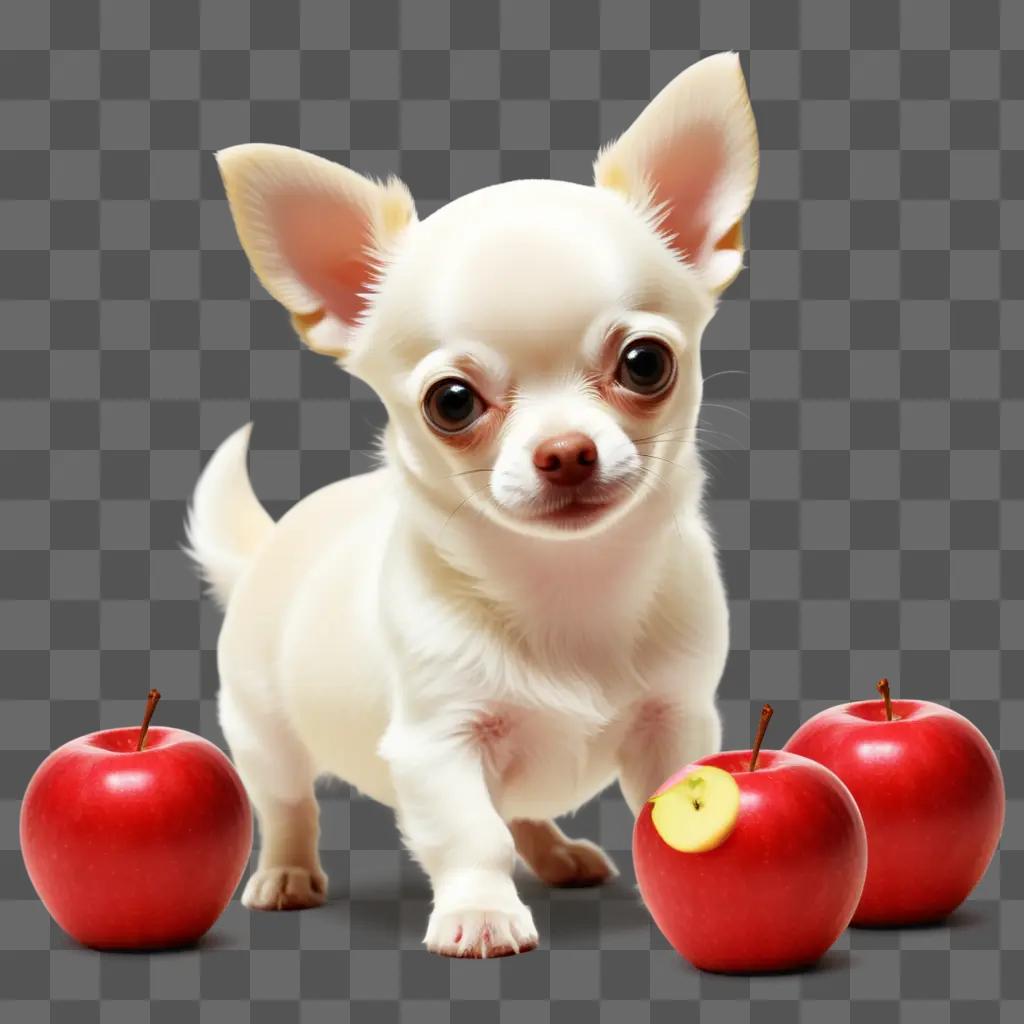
865,436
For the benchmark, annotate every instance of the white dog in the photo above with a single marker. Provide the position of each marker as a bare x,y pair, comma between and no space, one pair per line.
524,603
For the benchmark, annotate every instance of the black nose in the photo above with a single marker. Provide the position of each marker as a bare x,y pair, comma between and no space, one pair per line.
566,460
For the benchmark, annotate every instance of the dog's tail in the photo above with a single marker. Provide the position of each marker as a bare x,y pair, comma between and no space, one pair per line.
226,524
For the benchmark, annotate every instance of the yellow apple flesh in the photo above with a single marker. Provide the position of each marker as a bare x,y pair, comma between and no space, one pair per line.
699,812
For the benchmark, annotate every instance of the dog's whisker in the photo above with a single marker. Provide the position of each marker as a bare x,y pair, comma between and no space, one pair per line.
708,432
662,433
660,458
451,515
661,481
722,373
717,442
714,445
722,405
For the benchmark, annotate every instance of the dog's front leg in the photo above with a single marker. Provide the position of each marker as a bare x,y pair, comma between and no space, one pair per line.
663,737
450,825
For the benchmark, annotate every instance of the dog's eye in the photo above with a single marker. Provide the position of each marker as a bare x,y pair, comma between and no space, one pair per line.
452,405
646,366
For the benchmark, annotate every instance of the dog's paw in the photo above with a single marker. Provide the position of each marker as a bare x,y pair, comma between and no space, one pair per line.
574,863
477,933
285,888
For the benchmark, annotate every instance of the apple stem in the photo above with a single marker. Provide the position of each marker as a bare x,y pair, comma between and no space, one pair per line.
883,688
151,703
762,728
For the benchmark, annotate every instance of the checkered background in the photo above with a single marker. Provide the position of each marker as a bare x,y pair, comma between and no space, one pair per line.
865,439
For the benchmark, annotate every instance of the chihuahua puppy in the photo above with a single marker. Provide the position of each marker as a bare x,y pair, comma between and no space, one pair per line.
524,602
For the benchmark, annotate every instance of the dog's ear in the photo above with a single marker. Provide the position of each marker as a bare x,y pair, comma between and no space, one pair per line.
316,234
692,158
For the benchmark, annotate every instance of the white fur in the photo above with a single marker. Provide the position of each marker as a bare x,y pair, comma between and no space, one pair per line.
416,630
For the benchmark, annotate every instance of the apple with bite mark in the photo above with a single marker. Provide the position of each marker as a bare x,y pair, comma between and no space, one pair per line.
136,838
931,794
751,861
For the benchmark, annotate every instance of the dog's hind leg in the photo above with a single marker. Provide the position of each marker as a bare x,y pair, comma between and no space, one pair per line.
558,860
278,774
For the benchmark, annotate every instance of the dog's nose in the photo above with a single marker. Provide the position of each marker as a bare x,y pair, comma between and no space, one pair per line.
566,460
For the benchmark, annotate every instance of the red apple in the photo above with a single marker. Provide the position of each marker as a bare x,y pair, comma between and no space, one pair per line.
136,838
751,869
931,794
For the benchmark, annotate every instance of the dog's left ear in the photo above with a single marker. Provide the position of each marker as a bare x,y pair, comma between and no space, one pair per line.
692,156
316,234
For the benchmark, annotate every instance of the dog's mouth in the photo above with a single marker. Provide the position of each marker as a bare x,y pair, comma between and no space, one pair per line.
578,509
574,512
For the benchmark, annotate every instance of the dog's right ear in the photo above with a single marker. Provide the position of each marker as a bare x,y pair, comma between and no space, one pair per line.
316,234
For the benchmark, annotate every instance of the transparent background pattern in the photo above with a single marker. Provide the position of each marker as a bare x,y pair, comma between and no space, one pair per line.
864,435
